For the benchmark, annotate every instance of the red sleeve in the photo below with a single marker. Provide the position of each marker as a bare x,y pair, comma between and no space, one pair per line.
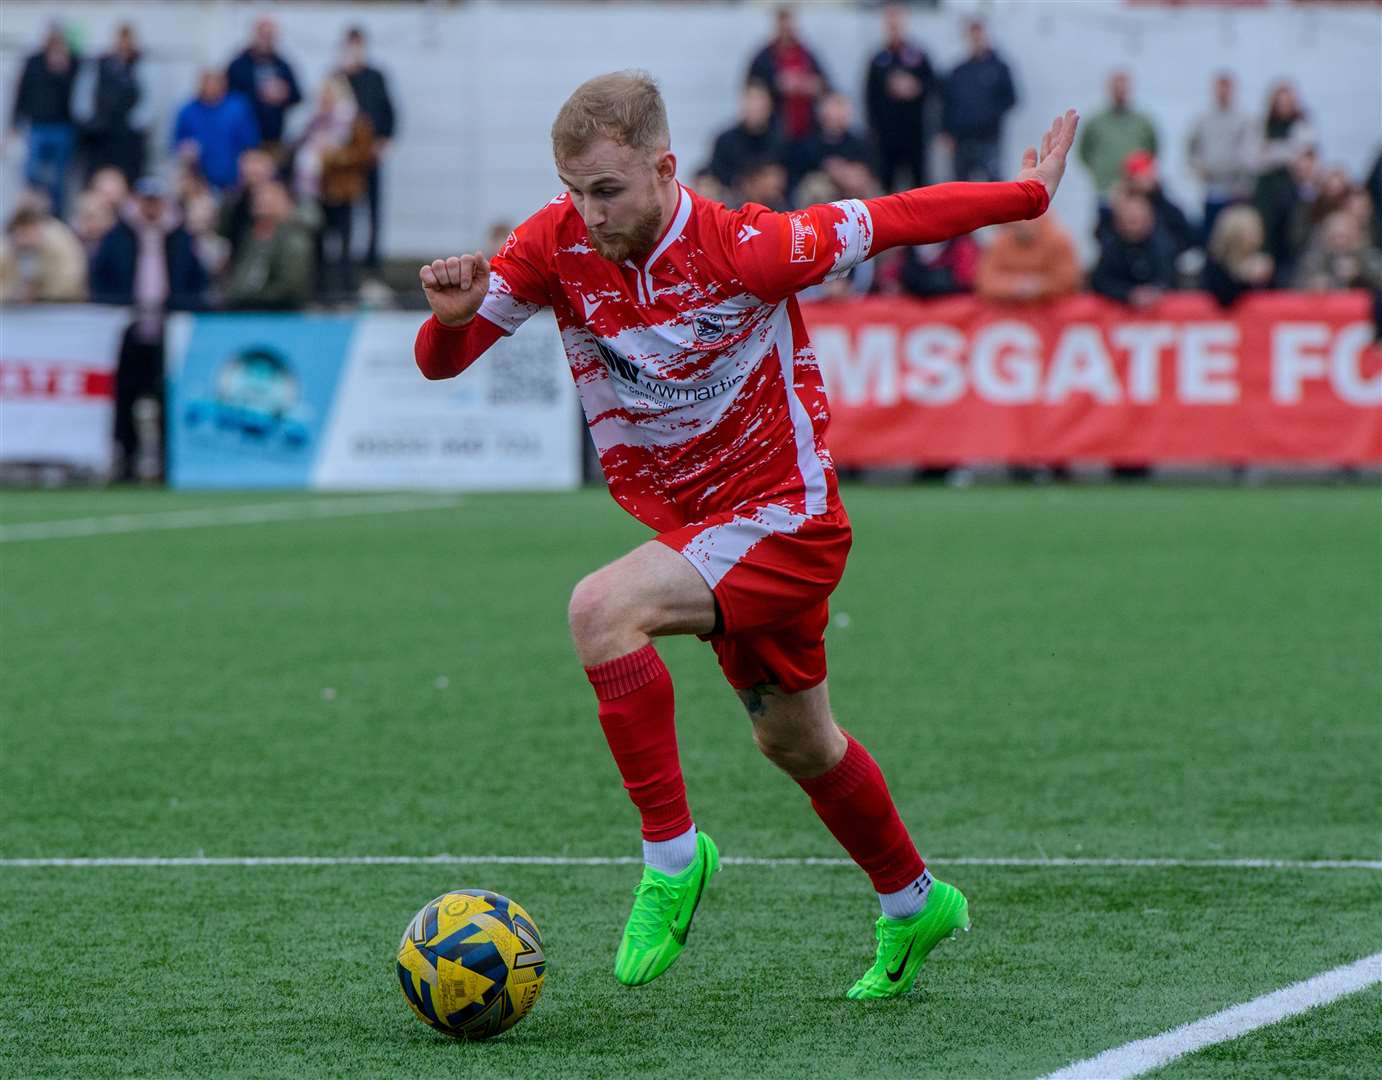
443,351
931,214
777,255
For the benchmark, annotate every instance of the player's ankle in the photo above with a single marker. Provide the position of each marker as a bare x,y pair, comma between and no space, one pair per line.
671,856
908,901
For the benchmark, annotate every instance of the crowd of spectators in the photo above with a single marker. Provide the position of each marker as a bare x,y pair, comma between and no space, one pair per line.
1274,214
254,210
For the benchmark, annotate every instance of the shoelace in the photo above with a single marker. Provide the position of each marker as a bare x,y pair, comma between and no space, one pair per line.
650,917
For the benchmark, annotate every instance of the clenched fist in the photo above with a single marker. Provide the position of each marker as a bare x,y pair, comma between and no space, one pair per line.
455,287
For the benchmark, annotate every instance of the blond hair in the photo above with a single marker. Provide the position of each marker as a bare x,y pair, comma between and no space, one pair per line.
625,106
1237,234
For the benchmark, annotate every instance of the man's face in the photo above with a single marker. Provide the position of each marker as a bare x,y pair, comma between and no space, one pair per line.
1132,218
756,107
265,36
151,208
616,191
213,87
26,237
1118,88
894,22
1223,91
837,113
256,167
978,37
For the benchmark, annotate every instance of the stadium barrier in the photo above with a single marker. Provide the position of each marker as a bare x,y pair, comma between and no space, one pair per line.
336,401
57,385
1281,378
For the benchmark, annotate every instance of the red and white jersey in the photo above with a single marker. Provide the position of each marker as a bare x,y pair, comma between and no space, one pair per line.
699,385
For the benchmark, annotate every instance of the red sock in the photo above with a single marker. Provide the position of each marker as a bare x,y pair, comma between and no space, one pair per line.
853,801
636,711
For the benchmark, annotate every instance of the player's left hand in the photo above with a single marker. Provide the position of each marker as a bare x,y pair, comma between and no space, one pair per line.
1048,166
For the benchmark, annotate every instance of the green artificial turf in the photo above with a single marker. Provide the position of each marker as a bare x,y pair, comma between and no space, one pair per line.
1057,672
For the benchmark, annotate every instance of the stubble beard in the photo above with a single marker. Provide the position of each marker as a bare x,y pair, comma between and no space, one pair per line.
636,243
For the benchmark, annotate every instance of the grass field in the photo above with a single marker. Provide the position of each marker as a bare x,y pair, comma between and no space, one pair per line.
1083,672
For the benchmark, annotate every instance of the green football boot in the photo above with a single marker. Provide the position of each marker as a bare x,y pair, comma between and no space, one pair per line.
903,944
663,905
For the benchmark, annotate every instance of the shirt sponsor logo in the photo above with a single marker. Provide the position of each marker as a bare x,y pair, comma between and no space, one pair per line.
801,238
625,370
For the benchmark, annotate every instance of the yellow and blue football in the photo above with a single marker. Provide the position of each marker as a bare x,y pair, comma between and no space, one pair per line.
471,963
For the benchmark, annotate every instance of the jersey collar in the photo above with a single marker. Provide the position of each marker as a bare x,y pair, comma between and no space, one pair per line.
674,229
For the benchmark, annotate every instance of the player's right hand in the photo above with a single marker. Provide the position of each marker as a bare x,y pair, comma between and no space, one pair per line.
456,286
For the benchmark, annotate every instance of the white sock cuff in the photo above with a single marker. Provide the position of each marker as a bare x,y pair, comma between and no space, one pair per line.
908,900
671,856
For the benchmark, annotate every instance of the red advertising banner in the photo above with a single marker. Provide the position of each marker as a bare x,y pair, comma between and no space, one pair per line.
1279,378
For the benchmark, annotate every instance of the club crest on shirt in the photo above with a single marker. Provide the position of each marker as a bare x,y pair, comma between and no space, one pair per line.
800,238
709,328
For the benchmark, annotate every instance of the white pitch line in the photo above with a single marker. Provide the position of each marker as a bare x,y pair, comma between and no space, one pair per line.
630,860
251,514
1144,1055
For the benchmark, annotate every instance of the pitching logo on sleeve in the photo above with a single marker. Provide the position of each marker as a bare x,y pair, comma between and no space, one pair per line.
799,240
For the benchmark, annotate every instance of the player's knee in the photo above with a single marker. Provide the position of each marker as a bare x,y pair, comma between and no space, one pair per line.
597,610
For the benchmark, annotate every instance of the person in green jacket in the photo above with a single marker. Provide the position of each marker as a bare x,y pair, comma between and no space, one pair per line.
1113,134
274,268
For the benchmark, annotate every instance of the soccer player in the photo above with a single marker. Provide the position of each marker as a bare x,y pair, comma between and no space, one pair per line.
704,399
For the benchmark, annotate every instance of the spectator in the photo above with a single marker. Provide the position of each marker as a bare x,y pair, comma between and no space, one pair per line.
978,95
900,84
1136,263
256,167
1286,162
1373,186
331,166
40,259
43,102
941,269
147,259
1142,177
371,92
266,80
200,218
110,184
274,268
835,141
94,218
1110,136
1220,149
150,262
1340,257
1325,192
763,182
708,186
116,134
497,236
1236,262
793,76
214,129
752,139
1029,260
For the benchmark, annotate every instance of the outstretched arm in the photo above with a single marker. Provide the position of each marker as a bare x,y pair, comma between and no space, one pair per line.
932,214
784,253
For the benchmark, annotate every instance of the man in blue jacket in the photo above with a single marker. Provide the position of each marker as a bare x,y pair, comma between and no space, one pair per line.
213,129
978,95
